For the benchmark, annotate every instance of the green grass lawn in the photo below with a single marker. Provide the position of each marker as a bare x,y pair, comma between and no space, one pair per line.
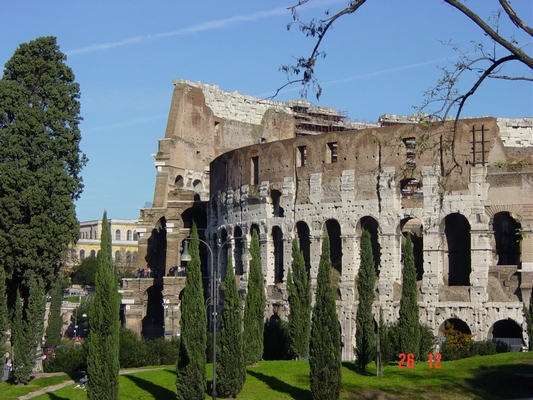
488,377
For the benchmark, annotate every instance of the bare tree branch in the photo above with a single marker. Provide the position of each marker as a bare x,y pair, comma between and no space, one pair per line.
512,15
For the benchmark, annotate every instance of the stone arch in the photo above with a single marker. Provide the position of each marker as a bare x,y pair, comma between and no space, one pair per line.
457,232
509,332
277,209
153,324
507,239
179,182
458,325
304,242
371,225
277,241
333,230
197,186
413,227
157,248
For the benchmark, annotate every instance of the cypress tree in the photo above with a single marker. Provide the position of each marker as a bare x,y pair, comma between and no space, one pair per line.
55,318
528,312
28,329
409,322
364,335
324,349
254,309
104,334
40,166
383,353
298,285
231,369
190,370
3,316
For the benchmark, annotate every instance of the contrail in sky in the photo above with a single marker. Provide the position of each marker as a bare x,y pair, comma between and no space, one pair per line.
203,26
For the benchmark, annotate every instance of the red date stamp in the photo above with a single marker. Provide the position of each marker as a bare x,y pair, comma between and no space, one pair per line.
408,360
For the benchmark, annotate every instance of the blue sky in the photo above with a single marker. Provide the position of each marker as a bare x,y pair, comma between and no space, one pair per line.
125,55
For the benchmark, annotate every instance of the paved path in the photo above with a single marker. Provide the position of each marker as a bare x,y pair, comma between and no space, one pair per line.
61,385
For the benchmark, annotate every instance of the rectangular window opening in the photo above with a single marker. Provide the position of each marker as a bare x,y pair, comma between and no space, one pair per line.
255,171
302,156
332,148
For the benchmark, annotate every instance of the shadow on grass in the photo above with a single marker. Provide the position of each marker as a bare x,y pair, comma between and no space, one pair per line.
509,381
156,391
280,386
350,365
53,396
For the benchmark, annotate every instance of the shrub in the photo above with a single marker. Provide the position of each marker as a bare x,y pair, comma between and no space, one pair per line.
427,342
483,348
67,359
133,350
502,347
457,344
161,351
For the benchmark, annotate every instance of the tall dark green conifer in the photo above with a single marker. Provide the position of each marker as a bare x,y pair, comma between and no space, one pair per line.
298,286
55,318
254,310
365,337
3,316
324,349
231,369
528,312
190,371
383,352
409,321
103,343
40,166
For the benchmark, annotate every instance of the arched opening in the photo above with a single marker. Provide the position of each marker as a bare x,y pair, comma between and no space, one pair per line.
371,225
237,253
153,324
277,209
117,234
508,332
93,254
277,239
128,257
117,256
128,235
507,238
457,231
179,182
82,254
199,216
458,325
304,242
157,248
333,230
413,227
197,186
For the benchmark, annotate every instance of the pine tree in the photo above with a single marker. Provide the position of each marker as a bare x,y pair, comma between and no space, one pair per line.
298,286
364,335
40,165
231,369
3,316
190,371
55,318
103,342
324,349
409,322
254,309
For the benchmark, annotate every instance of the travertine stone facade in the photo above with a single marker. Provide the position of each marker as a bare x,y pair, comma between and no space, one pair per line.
234,163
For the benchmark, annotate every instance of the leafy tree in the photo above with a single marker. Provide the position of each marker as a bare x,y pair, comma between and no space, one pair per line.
3,316
103,343
40,165
231,371
27,329
55,317
364,322
298,286
84,273
324,349
488,62
190,371
254,309
409,321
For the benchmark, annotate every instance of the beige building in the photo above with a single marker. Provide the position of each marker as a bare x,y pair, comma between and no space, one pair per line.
124,240
235,164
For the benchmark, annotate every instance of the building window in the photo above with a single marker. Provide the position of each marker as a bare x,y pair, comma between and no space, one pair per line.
82,254
255,171
117,234
302,156
117,256
93,254
128,235
135,236
332,150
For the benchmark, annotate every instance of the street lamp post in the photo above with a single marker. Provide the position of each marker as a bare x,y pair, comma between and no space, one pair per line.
214,292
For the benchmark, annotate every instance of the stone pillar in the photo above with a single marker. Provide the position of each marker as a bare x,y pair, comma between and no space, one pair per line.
390,264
